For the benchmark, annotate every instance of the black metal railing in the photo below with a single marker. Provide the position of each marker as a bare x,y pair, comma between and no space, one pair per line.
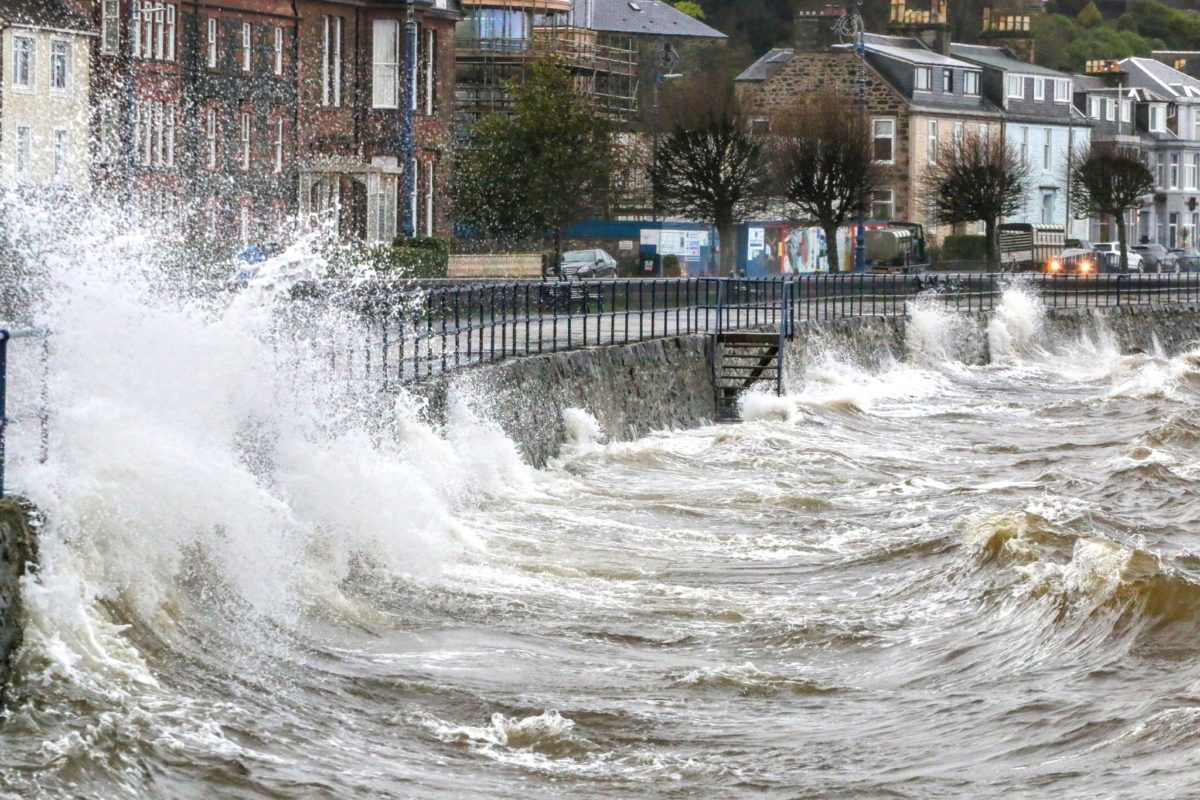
414,334
41,412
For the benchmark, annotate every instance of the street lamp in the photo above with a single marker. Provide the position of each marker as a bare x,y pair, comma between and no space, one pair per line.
851,26
667,60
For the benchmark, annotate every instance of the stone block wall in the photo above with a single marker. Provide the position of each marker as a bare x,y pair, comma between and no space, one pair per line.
838,72
631,390
17,551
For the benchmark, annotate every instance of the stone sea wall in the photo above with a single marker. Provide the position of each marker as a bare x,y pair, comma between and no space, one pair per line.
17,551
667,383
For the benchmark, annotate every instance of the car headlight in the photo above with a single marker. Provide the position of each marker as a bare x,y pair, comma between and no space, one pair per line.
1085,266
1055,265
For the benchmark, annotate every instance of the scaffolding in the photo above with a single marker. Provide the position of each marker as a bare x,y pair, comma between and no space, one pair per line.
605,73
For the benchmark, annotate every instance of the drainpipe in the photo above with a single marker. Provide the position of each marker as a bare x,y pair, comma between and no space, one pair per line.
410,108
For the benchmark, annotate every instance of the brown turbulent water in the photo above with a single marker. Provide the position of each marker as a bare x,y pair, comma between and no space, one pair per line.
907,579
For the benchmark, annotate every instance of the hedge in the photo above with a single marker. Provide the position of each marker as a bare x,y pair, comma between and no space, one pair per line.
964,248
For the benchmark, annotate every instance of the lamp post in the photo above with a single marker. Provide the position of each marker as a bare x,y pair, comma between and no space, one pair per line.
666,61
851,26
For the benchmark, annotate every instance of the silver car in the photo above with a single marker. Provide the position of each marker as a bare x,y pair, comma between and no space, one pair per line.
1110,253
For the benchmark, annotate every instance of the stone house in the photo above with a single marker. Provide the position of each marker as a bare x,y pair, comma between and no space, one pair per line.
917,99
1041,123
361,168
44,94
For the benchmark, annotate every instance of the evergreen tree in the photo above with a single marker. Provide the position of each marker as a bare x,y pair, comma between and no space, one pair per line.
543,166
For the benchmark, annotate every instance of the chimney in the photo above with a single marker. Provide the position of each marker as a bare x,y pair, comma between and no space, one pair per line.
815,30
930,26
1011,31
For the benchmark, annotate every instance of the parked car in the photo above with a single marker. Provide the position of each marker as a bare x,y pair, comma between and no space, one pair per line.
1189,259
1156,258
1111,253
587,264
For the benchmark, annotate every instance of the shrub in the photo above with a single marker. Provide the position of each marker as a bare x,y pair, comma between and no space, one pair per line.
964,248
670,266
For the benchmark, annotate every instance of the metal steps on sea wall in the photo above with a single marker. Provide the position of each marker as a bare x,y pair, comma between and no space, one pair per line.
742,360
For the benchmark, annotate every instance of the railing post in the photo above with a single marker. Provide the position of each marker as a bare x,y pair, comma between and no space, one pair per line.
3,401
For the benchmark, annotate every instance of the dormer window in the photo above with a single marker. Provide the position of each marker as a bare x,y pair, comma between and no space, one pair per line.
1126,111
1158,118
923,79
971,83
1094,107
948,81
1110,110
1016,87
1039,88
1062,90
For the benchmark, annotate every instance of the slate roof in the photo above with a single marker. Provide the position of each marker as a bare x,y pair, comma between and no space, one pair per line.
766,67
43,14
1002,59
909,50
640,17
1147,73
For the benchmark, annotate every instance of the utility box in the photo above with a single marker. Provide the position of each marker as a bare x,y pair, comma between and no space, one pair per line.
651,265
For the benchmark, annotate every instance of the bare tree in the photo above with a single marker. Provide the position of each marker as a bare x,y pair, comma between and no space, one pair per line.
1107,180
977,178
823,165
710,164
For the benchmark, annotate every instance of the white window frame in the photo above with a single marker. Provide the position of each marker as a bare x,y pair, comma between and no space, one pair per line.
171,19
1126,111
245,129
331,61
1173,170
110,27
244,223
61,154
1110,110
169,136
1039,88
210,136
890,123
247,45
213,34
971,84
430,192
1062,90
385,63
29,84
931,133
279,145
1025,144
23,161
63,57
1048,149
1191,169
923,79
278,62
947,78
959,132
430,71
890,203
982,132
1015,88
1157,112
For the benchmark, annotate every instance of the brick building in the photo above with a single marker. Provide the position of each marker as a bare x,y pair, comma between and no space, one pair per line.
237,137
353,94
137,102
